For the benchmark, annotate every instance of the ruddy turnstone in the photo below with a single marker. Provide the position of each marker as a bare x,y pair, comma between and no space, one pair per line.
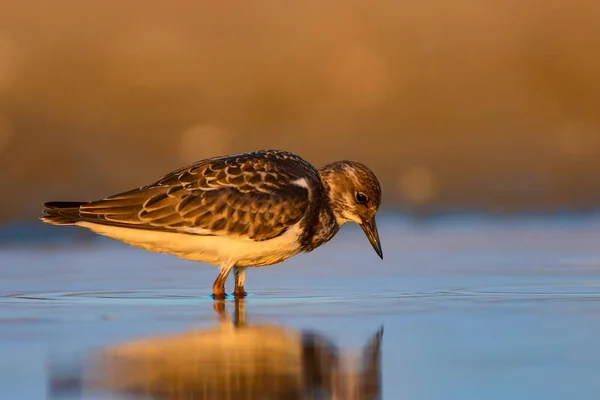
237,211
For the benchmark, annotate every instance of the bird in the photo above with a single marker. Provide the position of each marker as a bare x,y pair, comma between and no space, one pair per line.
235,211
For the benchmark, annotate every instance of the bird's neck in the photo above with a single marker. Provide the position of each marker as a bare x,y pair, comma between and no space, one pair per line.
334,191
326,226
321,224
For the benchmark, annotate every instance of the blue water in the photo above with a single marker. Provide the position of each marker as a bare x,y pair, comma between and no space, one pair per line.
471,309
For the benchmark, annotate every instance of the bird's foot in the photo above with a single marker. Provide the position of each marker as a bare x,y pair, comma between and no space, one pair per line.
239,292
219,296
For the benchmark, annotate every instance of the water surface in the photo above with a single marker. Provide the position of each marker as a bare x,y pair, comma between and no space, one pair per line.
469,309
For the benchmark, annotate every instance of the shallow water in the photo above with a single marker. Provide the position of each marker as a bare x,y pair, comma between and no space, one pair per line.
470,309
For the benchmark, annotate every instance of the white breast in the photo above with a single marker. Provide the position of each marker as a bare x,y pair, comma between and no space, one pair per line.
218,250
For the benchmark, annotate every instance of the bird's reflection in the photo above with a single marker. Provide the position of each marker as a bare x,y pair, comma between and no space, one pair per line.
235,360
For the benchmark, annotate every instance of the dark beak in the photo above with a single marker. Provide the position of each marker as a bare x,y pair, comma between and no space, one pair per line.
370,228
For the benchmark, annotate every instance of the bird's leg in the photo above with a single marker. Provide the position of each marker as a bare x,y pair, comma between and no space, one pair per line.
240,277
219,285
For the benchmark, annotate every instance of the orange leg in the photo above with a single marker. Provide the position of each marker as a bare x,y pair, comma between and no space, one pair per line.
219,284
240,277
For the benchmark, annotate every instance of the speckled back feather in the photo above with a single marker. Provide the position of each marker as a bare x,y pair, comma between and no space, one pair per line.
250,195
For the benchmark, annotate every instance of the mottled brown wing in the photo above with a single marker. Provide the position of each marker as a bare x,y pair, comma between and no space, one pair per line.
250,195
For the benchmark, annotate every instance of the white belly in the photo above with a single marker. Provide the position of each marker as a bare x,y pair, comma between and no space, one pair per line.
218,250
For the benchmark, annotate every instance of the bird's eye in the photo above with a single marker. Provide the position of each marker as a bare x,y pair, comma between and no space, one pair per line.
361,198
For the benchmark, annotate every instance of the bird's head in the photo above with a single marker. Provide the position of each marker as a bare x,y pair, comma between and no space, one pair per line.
355,195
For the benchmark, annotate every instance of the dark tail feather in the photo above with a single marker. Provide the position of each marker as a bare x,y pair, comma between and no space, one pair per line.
62,212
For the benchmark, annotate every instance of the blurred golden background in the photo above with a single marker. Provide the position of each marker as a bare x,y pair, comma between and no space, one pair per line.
486,106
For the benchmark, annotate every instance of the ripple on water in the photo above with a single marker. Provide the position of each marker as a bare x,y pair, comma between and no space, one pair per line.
570,291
